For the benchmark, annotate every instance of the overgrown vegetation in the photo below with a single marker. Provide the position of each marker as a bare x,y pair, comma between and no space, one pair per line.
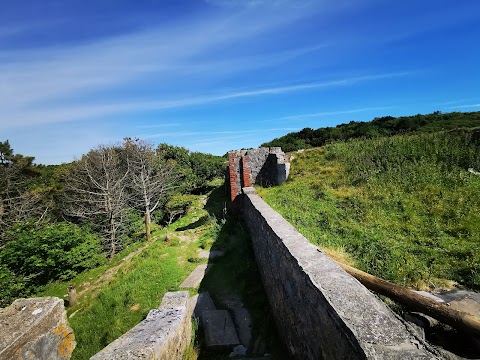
405,208
383,126
54,219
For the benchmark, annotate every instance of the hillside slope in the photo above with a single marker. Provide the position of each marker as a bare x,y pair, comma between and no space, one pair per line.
404,208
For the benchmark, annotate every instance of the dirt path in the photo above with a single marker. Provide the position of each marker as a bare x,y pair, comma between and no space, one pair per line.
110,273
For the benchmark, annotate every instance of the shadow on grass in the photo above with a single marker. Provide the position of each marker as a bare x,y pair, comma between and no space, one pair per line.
235,275
200,222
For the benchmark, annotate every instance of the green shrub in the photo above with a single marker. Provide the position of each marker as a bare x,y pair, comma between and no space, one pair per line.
37,254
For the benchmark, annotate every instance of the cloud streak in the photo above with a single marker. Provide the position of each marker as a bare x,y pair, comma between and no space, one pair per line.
75,112
329,113
465,106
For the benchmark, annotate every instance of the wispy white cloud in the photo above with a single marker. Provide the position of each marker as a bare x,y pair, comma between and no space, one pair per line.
329,113
75,112
465,106
210,133
63,83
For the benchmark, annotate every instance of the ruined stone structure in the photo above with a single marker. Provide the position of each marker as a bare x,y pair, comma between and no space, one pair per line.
35,328
262,166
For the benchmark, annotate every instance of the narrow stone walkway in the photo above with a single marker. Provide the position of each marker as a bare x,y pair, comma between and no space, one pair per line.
195,278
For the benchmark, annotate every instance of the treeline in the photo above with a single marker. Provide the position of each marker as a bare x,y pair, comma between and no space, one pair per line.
383,126
57,221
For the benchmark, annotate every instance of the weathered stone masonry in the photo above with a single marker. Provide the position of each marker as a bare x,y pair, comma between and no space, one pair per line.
263,166
322,312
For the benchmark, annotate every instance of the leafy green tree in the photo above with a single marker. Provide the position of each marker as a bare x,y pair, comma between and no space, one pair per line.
6,153
177,206
18,198
383,126
195,168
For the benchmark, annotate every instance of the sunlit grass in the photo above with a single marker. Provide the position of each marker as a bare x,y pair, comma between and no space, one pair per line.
404,208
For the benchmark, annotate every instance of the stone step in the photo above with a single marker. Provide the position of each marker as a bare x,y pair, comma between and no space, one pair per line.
241,318
195,278
220,333
203,302
210,254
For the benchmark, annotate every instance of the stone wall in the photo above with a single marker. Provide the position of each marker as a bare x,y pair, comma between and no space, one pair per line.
262,166
322,312
163,335
35,328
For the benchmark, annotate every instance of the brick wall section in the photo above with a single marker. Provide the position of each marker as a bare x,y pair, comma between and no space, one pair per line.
232,176
322,312
247,175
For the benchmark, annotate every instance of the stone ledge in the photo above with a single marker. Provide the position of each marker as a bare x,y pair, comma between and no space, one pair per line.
35,328
163,335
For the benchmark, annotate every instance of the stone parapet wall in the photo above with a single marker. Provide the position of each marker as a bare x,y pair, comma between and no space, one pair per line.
163,335
322,312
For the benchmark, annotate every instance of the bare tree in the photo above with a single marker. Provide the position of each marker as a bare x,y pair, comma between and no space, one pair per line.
96,190
18,202
151,178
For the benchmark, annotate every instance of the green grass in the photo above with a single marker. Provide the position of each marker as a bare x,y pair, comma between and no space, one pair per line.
121,304
404,208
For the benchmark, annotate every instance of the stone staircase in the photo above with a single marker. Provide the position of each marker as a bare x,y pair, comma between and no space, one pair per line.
222,333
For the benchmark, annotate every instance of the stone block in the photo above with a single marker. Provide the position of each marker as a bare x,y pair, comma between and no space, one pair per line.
220,333
174,299
204,302
35,328
163,335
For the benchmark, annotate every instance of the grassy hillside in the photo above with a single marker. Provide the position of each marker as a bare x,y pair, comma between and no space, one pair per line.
383,126
404,208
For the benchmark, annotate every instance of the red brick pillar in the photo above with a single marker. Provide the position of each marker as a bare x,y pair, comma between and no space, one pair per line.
247,180
233,176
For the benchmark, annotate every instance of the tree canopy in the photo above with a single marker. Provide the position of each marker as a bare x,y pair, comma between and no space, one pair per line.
383,126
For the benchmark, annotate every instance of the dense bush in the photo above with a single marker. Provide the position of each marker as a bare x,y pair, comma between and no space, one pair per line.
37,254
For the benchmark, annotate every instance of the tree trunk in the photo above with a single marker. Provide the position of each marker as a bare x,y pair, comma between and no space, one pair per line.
147,225
112,238
456,319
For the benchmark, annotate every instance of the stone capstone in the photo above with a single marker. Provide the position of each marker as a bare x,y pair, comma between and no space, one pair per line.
35,328
163,335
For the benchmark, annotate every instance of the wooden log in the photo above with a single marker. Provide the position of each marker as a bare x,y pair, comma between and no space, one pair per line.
457,319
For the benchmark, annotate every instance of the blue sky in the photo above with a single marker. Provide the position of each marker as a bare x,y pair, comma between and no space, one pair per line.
217,75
